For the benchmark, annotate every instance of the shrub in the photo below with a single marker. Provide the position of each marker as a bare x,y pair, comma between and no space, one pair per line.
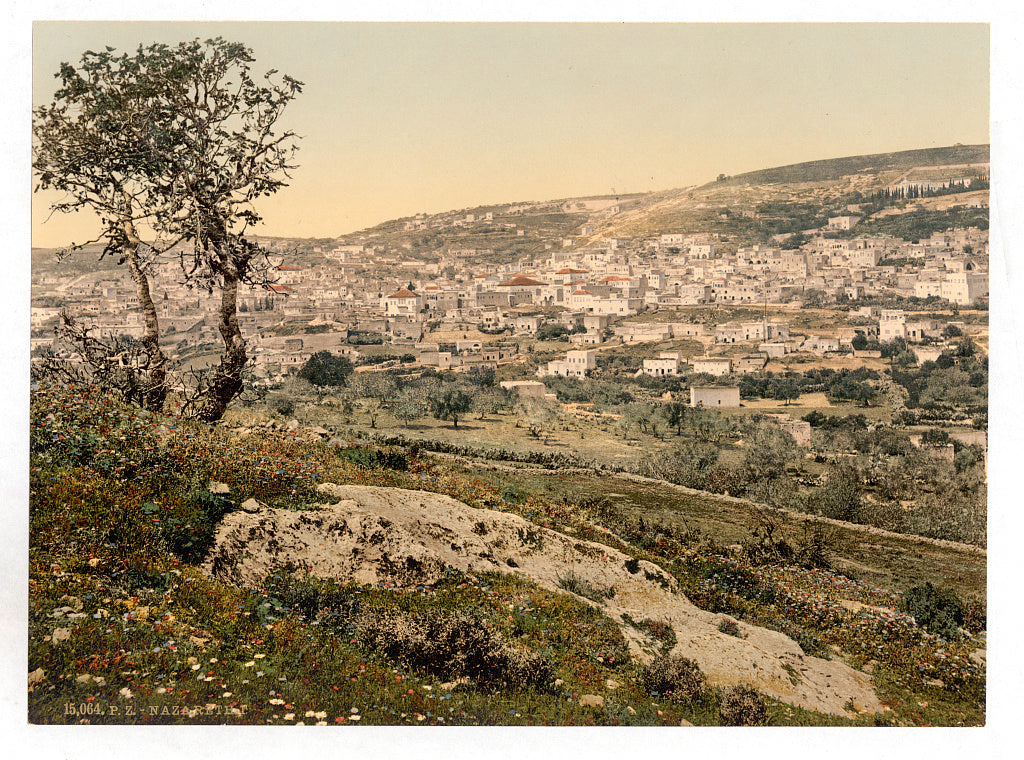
512,495
283,406
678,678
582,587
816,547
742,706
451,645
839,497
325,369
374,458
188,527
730,627
936,609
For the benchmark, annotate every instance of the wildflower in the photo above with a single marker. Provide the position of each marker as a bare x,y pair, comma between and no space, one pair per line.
290,716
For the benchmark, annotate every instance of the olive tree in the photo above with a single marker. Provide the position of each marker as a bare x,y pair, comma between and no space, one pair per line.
97,144
450,404
179,141
225,151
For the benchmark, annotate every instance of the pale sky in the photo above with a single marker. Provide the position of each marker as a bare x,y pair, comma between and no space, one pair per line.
399,118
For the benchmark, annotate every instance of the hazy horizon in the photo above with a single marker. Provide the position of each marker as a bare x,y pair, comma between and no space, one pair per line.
402,118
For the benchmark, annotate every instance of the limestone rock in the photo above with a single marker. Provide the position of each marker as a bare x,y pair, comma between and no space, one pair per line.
251,505
73,602
35,678
218,488
591,700
373,535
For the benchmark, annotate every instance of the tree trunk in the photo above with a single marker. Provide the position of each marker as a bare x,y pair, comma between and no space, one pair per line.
227,380
156,368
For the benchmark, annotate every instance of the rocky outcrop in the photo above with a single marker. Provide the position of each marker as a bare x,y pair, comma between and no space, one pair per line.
402,537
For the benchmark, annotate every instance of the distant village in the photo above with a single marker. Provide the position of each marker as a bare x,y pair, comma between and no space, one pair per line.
446,312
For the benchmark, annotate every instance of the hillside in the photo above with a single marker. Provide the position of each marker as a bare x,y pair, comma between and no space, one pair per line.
743,209
180,573
835,168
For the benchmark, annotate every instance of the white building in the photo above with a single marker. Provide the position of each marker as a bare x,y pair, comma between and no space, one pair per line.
714,396
403,303
891,325
712,366
575,364
661,367
964,287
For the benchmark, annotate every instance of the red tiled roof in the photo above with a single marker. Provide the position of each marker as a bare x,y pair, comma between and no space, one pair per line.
569,270
280,289
616,278
581,293
520,281
288,268
403,293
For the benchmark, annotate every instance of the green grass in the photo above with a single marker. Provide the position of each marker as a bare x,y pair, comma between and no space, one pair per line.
126,629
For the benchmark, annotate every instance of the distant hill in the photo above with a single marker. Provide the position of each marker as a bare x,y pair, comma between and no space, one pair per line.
835,168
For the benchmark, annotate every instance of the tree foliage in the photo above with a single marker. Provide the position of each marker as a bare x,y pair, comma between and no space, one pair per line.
450,404
326,369
182,140
97,145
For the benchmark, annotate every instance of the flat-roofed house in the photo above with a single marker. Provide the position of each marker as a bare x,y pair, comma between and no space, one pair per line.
714,396
717,366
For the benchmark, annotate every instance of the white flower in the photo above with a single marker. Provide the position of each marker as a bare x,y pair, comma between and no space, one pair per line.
321,722
290,716
355,717
195,667
249,664
310,713
226,694
277,701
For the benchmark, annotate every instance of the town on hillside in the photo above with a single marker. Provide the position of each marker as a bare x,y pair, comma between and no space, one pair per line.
378,302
